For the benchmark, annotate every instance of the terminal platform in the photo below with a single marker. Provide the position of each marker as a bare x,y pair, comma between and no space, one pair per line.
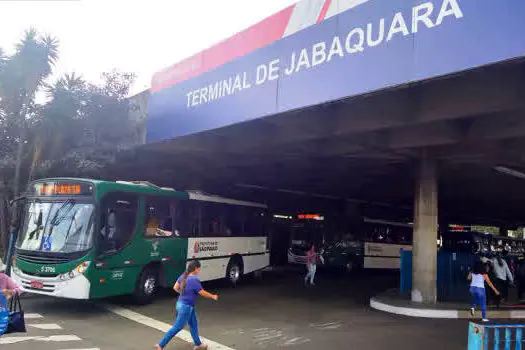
393,302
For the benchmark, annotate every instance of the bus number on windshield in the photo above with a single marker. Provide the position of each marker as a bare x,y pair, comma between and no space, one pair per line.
48,269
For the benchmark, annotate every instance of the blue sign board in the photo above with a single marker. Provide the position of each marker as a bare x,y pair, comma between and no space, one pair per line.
47,243
377,45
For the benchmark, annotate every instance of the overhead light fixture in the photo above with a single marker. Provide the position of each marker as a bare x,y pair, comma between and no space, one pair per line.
279,216
299,193
509,171
325,196
252,186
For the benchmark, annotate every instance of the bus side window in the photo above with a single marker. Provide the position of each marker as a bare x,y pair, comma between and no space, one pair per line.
159,218
211,219
186,218
118,220
255,221
233,220
403,235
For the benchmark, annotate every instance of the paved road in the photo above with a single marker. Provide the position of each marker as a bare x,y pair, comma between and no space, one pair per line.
275,313
61,324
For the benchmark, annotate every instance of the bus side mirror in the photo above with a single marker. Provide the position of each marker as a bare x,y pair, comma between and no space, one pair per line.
16,200
16,213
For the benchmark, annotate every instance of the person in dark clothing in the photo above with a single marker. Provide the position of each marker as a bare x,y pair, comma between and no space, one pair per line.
521,279
492,298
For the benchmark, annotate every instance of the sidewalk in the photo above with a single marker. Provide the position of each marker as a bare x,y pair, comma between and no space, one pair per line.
391,301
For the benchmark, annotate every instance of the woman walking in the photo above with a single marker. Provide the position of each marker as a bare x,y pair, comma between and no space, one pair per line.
189,287
477,278
313,259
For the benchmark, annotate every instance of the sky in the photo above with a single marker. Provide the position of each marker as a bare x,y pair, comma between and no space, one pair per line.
135,35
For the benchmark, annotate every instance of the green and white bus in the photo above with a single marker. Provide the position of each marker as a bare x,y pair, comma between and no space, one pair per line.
84,239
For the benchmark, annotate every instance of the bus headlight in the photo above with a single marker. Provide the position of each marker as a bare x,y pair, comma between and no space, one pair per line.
15,269
79,270
82,267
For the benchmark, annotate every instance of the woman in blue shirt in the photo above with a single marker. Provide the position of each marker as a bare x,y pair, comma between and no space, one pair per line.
189,287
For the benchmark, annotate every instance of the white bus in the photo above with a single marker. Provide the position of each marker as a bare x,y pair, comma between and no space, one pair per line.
369,243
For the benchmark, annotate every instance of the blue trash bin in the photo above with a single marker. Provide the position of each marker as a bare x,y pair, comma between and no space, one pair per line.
495,336
4,315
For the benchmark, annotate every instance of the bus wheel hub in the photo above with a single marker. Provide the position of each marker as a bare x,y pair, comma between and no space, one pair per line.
234,273
149,285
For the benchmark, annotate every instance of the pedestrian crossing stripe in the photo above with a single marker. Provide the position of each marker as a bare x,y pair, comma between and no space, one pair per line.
52,338
160,326
14,340
32,316
45,326
60,338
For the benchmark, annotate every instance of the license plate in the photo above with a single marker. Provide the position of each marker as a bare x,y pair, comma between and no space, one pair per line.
37,285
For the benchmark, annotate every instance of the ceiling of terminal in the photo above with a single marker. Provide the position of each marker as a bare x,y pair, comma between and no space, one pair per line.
364,150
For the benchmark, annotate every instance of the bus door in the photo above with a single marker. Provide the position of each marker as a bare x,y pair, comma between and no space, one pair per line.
116,264
166,235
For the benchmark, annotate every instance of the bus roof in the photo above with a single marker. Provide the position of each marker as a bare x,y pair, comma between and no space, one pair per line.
150,188
386,222
198,196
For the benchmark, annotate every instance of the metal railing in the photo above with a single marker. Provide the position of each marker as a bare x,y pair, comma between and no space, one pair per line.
495,336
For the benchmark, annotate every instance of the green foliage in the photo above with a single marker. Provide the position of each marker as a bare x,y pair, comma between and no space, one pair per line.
76,132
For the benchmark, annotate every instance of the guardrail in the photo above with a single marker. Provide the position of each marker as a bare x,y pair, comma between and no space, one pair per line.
495,336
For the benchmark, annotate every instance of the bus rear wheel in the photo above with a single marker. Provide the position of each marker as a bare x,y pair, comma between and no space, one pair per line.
147,285
234,271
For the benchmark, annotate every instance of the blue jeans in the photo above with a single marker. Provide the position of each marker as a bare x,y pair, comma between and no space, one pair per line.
185,314
311,273
480,299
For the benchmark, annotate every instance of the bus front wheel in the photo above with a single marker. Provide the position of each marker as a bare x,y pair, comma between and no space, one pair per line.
147,285
234,271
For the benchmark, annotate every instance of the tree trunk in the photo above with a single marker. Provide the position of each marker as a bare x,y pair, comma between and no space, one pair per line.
36,159
4,222
24,110
18,165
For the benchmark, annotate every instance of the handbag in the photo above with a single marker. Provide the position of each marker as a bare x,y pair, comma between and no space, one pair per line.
4,315
17,323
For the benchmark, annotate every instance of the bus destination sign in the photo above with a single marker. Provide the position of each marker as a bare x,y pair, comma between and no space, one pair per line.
61,189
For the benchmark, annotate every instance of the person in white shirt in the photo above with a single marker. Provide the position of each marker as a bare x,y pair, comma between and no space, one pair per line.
503,278
477,278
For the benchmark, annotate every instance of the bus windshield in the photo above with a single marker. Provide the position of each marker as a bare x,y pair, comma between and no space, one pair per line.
56,226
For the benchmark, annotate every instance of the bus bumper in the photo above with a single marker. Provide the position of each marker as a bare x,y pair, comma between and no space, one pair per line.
75,288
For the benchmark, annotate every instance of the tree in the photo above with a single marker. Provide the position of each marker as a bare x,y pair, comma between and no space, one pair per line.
76,132
84,125
21,76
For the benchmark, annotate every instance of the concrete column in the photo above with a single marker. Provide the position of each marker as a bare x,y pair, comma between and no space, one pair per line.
425,231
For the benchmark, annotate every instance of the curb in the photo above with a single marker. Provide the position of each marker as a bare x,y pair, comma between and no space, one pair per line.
413,312
444,314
